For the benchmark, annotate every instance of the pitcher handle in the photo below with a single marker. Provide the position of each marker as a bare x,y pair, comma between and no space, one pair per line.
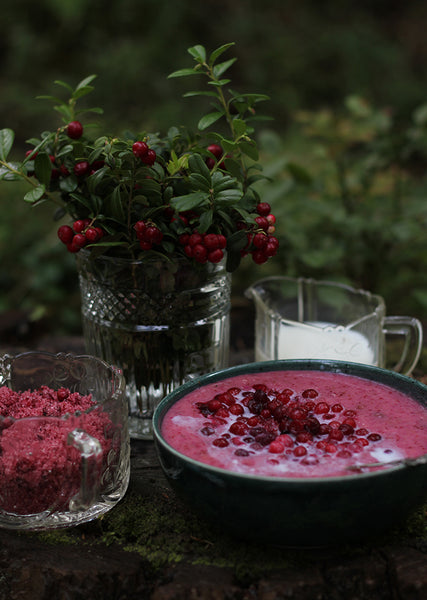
91,453
412,331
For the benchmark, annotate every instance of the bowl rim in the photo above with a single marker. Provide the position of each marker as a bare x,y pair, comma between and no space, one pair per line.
334,366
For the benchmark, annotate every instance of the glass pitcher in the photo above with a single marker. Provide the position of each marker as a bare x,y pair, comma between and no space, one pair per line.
305,318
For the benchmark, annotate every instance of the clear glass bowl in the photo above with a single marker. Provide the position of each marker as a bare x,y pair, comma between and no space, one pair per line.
62,462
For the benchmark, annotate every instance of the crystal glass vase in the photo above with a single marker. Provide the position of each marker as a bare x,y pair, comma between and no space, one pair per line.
162,321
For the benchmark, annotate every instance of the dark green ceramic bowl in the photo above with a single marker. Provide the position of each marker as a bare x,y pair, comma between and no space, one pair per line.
297,512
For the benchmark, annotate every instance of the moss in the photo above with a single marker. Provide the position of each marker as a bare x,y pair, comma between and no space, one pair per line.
163,533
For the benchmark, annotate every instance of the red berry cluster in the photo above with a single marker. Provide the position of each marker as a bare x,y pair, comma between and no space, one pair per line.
261,243
299,426
148,234
82,233
144,152
207,247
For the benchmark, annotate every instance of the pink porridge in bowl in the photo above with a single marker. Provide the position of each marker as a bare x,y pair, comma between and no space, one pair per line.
297,453
296,424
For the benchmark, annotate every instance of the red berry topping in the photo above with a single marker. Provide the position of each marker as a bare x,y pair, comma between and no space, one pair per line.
75,130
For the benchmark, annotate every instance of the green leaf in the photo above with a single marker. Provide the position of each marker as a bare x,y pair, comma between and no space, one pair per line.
221,68
217,53
199,93
190,201
64,150
64,110
43,168
68,184
116,205
64,84
208,120
95,179
239,127
198,52
229,196
205,221
7,175
196,164
183,73
35,194
250,149
234,168
222,182
233,261
85,82
220,82
6,142
52,98
82,92
200,182
237,240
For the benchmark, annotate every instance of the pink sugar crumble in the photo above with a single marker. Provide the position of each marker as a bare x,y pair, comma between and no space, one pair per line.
39,469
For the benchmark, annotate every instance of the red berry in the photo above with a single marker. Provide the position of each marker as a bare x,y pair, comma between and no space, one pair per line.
215,256
140,149
321,408
220,442
259,257
153,234
262,222
79,240
263,209
310,393
140,227
300,451
200,254
216,150
188,250
271,219
81,168
92,235
79,225
222,241
65,234
194,239
75,130
260,240
276,447
29,152
149,158
210,241
145,245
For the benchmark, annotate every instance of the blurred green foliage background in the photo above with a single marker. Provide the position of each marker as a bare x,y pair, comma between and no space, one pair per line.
346,149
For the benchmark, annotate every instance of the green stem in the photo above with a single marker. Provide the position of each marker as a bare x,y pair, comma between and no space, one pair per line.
28,180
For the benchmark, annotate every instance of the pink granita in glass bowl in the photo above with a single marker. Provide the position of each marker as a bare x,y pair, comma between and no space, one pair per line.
297,452
64,441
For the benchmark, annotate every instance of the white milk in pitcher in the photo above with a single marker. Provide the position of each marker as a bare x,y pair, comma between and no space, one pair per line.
320,341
